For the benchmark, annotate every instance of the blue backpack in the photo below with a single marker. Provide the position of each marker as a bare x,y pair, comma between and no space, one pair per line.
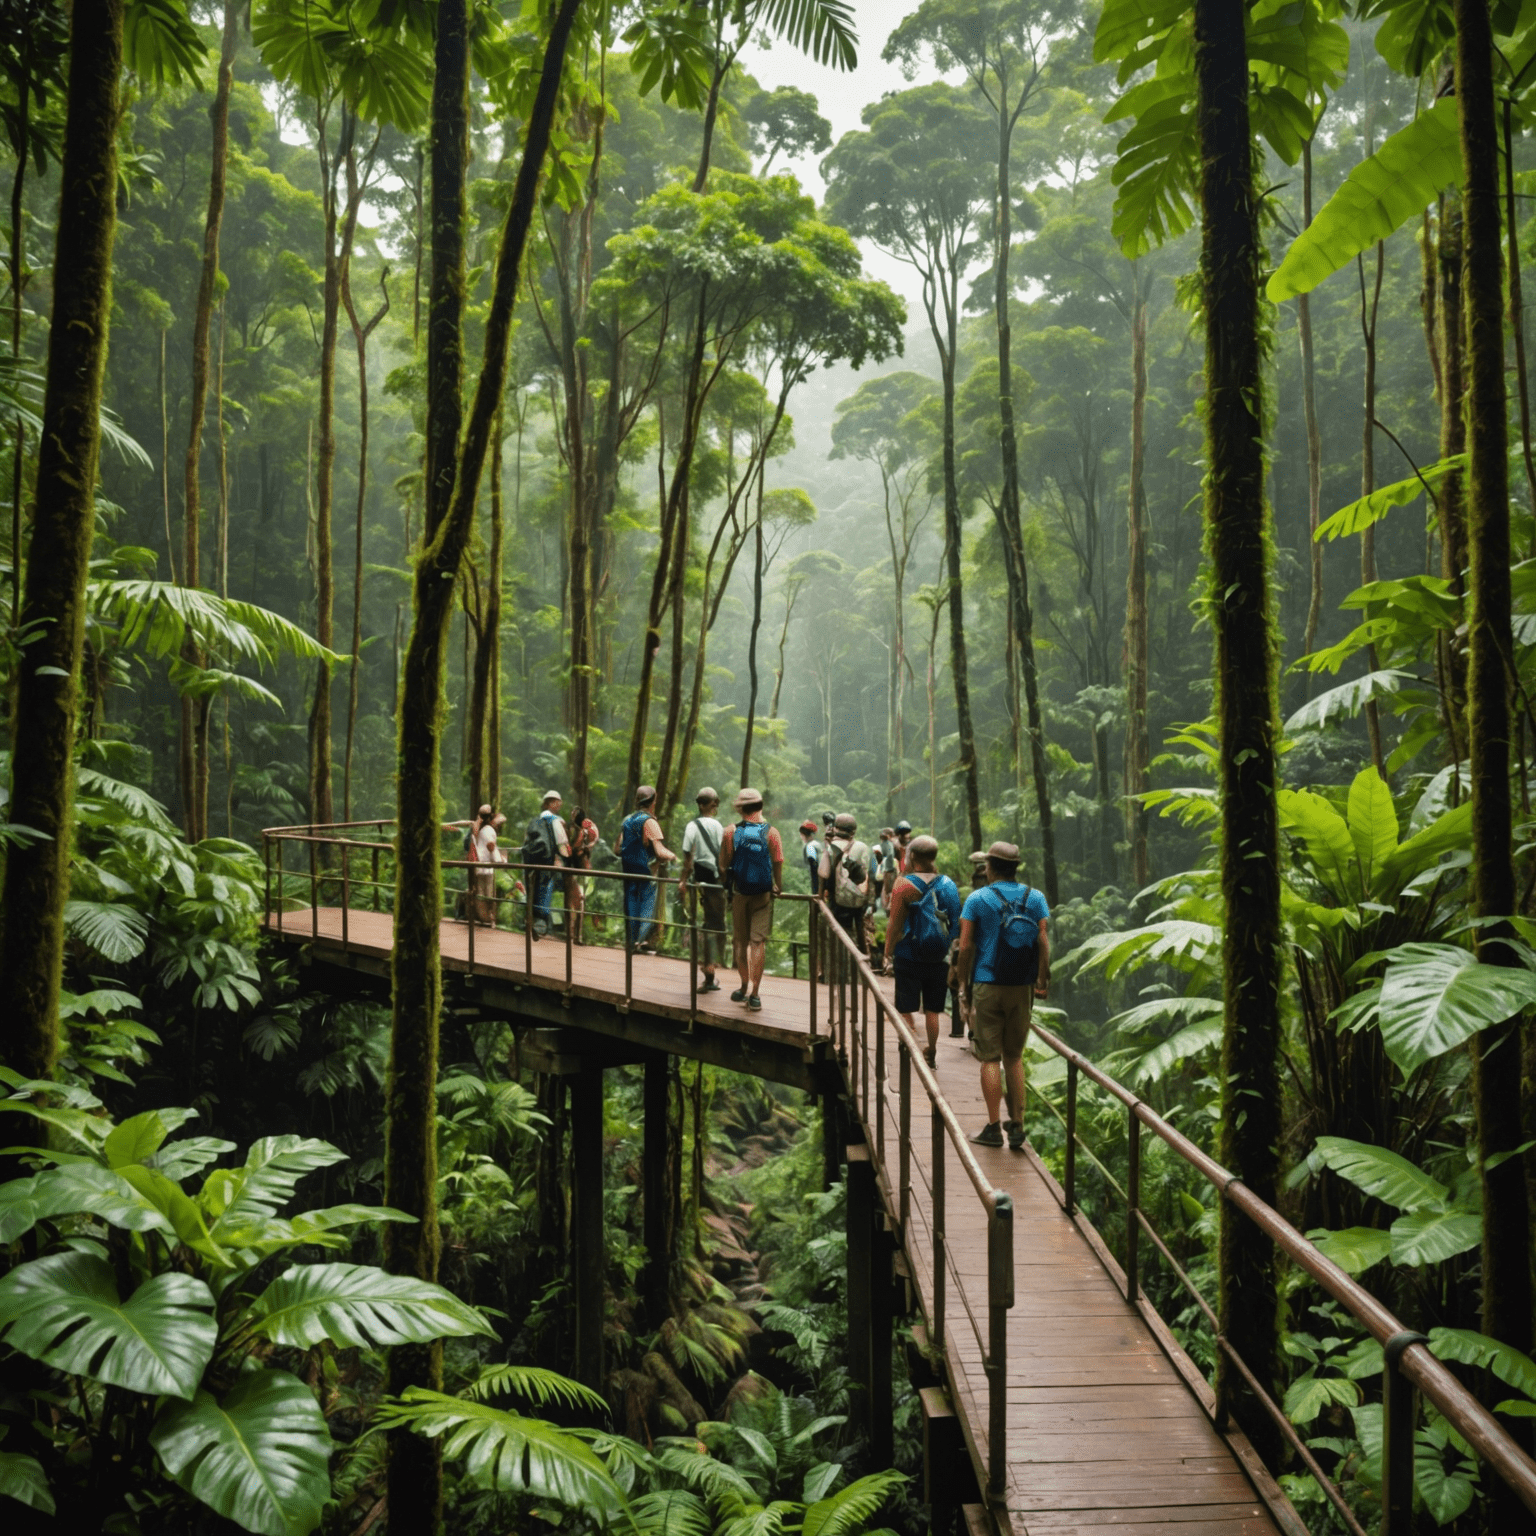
751,861
632,851
927,924
1016,958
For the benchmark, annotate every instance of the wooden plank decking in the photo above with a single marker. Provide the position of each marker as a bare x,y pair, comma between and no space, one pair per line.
1108,1424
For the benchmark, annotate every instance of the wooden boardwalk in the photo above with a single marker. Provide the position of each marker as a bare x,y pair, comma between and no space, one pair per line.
1109,1424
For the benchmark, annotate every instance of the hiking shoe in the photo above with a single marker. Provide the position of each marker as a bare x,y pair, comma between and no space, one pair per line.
931,1055
739,995
1016,1136
709,984
755,1003
989,1135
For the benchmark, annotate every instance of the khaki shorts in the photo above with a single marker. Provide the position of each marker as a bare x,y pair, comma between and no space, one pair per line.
999,1020
751,918
711,898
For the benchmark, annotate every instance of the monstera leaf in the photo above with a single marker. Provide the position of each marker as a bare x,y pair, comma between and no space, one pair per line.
356,1304
1436,996
260,1456
65,1311
23,1479
85,1189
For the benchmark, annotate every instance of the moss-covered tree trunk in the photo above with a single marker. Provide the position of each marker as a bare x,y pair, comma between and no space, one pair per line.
1238,547
482,745
1507,1294
1369,311
194,713
1314,435
58,564
453,473
1137,748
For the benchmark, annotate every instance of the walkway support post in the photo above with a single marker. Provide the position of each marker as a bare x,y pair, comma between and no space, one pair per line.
832,1139
654,1194
999,1300
1397,1437
588,1254
860,1216
1133,1209
882,1320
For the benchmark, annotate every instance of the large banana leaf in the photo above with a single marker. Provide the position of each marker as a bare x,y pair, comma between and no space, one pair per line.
168,1197
1427,1237
1372,824
22,1478
1354,1249
65,1311
160,44
508,1452
1381,1174
1187,1042
1477,1349
1434,997
260,1457
1450,832
1359,515
357,1304
86,1189
1347,699
138,1138
1410,170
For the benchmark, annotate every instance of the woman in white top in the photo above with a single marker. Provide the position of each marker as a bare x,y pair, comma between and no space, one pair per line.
489,856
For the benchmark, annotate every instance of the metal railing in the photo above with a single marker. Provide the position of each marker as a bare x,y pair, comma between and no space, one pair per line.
1407,1362
327,856
858,1017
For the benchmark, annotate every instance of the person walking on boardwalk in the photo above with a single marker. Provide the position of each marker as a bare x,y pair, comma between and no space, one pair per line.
703,840
640,850
845,872
753,858
887,866
547,844
1005,957
925,915
583,832
810,847
485,829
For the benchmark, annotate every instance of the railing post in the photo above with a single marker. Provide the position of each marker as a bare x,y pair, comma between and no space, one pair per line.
570,936
469,912
879,1027
939,1146
1133,1207
346,894
629,941
266,879
999,1299
811,962
314,891
692,916
1397,1437
530,895
904,1136
375,879
1069,1186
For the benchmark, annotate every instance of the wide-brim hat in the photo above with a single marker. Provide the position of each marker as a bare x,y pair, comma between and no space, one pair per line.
746,798
1004,853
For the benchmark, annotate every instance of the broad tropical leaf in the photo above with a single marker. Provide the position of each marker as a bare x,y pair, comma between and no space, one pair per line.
138,1138
86,1189
1189,1041
534,1385
1308,1395
1177,942
259,1457
1372,824
1434,997
358,1304
243,1198
1448,833
1381,1174
1347,699
1410,170
508,1452
1477,1349
1354,1249
168,1197
673,1512
1427,1237
1325,835
160,44
23,1479
823,29
1359,515
65,1311
1164,1010
116,931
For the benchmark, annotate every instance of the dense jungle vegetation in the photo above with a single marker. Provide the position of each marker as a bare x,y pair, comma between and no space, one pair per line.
410,405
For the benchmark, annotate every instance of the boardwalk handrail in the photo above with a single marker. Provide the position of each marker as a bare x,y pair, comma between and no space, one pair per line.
1407,1362
854,1002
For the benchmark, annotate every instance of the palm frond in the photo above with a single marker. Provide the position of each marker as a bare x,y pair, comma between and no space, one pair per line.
823,29
850,1510
535,1385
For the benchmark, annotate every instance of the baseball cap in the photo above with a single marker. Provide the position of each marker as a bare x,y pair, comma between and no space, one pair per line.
747,797
807,825
903,826
551,794
645,794
846,823
707,796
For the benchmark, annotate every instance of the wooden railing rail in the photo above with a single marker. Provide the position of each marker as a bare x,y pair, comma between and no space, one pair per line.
1407,1361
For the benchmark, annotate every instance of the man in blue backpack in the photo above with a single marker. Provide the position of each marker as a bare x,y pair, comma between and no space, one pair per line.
925,913
1005,956
753,858
639,843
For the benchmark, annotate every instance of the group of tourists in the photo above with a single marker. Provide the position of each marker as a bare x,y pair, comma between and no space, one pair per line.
991,953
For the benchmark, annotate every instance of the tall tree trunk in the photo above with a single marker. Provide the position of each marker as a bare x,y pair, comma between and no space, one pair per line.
1368,314
757,624
18,288
1137,746
1451,502
165,482
415,1474
1237,537
453,484
58,565
953,536
194,713
1506,1253
1018,573
487,641
360,334
1314,435
1517,305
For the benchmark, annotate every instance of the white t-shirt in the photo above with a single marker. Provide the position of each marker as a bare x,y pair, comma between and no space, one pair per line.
557,826
486,850
702,838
